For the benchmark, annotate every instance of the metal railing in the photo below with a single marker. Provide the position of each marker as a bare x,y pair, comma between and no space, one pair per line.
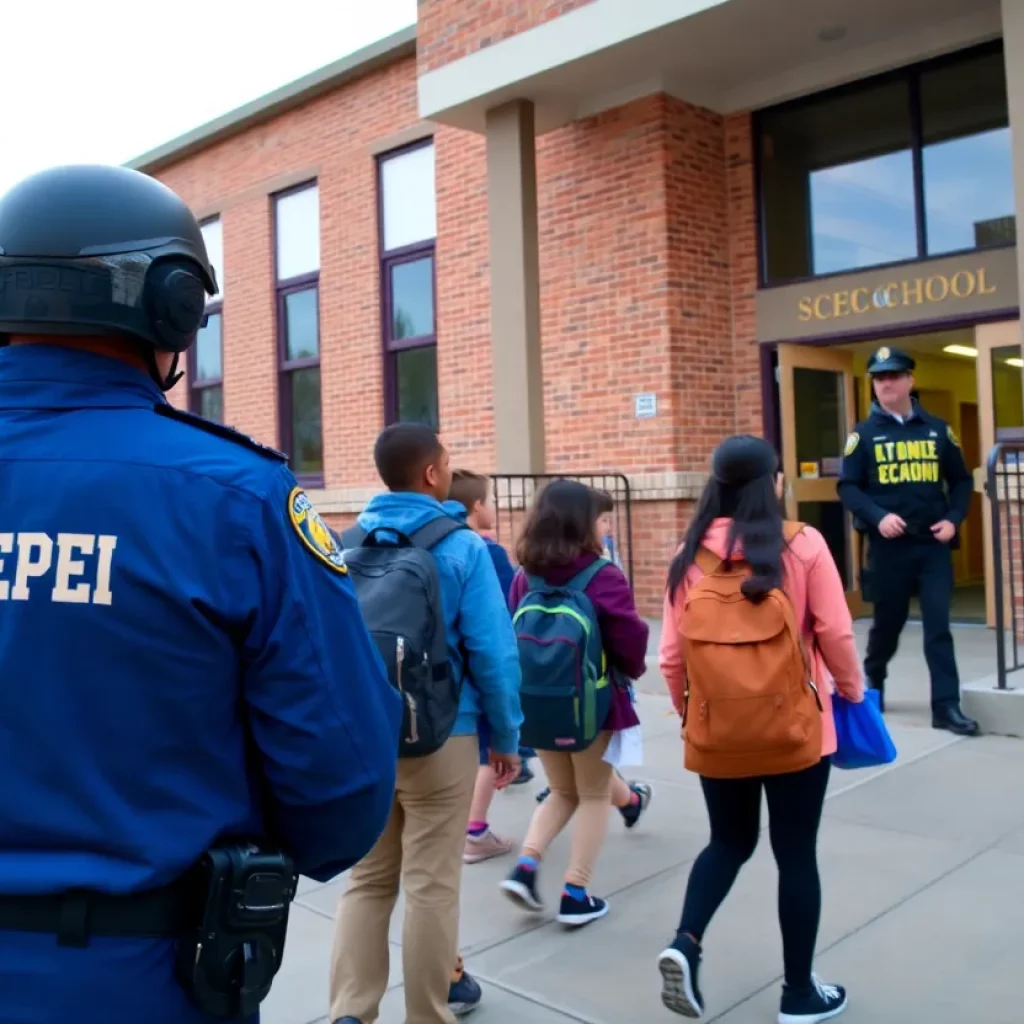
1005,489
514,494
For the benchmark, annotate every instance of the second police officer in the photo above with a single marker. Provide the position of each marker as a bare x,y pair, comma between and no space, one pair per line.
905,481
192,710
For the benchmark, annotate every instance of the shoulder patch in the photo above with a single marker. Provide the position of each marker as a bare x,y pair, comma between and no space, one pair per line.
314,532
851,443
951,434
212,427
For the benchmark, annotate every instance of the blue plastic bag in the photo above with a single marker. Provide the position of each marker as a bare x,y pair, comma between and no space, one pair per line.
863,741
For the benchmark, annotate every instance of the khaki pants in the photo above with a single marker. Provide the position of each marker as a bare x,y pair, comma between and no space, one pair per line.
581,790
421,848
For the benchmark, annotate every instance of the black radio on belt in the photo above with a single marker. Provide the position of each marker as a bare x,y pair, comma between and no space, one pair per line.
228,963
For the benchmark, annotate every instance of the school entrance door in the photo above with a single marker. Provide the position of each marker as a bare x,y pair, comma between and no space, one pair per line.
972,378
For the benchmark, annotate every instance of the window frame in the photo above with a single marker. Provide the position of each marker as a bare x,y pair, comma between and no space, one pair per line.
214,307
388,259
911,75
309,281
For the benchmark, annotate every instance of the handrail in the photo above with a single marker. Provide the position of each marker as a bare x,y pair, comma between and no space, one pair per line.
1004,486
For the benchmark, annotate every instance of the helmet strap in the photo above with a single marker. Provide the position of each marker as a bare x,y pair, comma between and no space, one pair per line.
165,384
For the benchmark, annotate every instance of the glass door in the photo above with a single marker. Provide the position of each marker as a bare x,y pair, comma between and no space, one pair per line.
1000,406
818,412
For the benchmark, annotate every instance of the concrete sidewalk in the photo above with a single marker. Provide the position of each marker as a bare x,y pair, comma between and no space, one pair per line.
923,877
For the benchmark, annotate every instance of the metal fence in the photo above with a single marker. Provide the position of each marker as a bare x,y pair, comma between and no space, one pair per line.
1005,489
514,494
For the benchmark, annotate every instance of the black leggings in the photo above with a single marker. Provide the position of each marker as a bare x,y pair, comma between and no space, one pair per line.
794,814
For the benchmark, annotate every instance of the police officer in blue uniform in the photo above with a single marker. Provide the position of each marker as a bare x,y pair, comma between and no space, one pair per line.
191,709
906,483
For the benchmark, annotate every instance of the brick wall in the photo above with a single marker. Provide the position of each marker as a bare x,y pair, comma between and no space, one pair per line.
450,29
647,280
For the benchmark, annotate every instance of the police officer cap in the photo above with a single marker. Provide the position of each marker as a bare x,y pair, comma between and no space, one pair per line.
890,360
87,250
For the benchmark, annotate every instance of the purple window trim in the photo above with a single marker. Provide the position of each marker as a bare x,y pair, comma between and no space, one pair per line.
390,347
285,367
195,385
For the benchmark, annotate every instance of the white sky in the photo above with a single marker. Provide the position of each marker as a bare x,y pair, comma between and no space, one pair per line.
103,81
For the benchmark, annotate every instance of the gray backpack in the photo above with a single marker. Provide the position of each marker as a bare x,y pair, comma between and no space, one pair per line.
399,593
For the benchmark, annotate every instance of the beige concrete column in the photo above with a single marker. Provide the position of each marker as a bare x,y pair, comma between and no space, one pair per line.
515,289
1013,47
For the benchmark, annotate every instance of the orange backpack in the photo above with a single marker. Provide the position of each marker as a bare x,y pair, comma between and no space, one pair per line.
751,704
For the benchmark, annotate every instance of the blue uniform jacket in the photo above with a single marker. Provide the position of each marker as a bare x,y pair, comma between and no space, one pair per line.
477,619
178,664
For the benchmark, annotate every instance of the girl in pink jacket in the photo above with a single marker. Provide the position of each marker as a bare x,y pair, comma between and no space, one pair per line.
739,513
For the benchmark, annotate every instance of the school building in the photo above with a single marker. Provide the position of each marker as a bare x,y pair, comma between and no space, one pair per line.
584,235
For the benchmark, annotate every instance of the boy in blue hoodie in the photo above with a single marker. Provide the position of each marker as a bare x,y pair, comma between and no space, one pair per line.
422,845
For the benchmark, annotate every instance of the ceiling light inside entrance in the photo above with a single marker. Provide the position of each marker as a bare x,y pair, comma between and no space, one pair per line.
961,350
1019,363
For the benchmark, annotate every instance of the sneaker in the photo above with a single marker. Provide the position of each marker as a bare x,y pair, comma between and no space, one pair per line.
485,846
521,887
543,794
464,993
576,912
810,1005
525,775
679,965
346,1020
632,812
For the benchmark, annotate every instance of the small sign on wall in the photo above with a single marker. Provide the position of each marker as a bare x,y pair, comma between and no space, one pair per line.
809,471
645,406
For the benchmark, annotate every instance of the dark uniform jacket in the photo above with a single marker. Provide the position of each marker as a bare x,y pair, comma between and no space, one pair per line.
915,469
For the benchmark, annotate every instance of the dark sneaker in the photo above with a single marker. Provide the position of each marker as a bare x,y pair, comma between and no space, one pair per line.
632,812
576,912
810,1005
521,888
525,775
346,1020
679,966
543,794
464,993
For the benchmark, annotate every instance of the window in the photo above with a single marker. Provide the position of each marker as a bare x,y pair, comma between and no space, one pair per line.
206,357
901,167
297,263
408,230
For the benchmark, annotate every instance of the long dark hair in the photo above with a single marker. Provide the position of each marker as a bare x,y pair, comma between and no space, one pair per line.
561,526
741,488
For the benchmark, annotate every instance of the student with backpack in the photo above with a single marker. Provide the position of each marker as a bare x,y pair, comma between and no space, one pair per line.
579,636
431,601
756,632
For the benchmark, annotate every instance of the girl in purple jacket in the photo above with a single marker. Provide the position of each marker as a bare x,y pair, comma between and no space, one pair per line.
559,541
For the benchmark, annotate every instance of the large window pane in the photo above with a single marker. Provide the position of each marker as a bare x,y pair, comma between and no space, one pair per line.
307,448
211,403
1007,393
412,299
209,350
820,415
416,383
837,187
297,225
301,318
408,200
213,236
968,164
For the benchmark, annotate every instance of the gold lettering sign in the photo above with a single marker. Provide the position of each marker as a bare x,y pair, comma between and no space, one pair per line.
909,292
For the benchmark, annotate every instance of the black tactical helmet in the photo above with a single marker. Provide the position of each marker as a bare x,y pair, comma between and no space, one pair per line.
89,250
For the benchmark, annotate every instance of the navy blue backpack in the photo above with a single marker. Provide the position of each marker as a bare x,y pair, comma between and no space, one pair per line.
565,693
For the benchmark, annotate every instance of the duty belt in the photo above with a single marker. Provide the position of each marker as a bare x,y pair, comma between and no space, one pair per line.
75,916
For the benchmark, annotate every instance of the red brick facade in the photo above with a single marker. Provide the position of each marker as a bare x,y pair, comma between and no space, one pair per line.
647,257
450,29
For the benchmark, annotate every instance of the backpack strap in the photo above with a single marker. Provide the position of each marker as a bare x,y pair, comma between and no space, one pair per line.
583,579
707,561
791,530
435,531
